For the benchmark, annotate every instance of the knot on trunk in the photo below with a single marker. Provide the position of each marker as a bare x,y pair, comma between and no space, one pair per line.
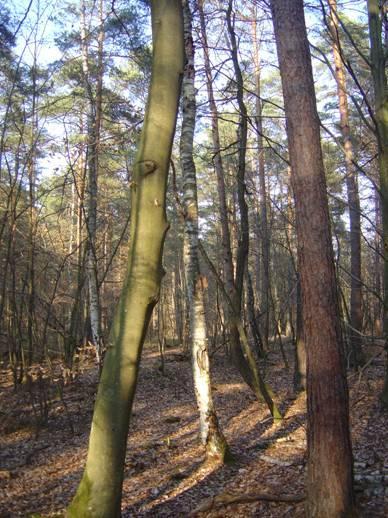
147,167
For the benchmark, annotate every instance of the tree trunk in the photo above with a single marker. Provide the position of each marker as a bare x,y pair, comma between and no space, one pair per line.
31,170
211,435
75,312
94,106
377,306
356,355
242,133
99,492
300,346
263,223
255,380
236,352
218,165
257,339
329,468
378,61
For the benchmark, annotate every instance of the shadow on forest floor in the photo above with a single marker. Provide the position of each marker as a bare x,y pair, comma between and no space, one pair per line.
165,470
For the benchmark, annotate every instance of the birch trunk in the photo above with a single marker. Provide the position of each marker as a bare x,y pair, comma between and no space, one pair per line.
94,106
211,435
99,492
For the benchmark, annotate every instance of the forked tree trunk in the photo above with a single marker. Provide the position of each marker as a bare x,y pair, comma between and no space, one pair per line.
356,355
256,335
218,164
99,492
210,432
242,135
262,391
233,290
329,468
378,63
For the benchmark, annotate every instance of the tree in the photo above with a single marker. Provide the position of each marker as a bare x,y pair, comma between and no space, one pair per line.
263,213
99,492
356,355
233,280
378,56
329,468
211,435
94,102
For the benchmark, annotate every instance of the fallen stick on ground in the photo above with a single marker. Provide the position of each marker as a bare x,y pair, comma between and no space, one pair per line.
245,498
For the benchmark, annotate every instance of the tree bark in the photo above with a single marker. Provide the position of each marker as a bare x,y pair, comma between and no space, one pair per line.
32,174
99,492
242,134
75,312
329,467
300,346
94,107
252,317
218,165
356,355
263,223
211,435
236,351
257,384
378,54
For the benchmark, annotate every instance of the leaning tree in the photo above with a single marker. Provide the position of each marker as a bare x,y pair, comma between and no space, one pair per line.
99,492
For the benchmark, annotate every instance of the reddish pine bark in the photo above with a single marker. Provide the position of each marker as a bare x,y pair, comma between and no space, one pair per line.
329,473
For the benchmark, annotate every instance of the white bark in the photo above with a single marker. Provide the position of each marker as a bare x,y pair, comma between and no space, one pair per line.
93,130
210,434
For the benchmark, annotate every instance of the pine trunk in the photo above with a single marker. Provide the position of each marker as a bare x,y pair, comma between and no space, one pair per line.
356,355
329,468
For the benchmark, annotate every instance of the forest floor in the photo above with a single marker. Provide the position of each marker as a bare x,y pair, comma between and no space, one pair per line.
165,471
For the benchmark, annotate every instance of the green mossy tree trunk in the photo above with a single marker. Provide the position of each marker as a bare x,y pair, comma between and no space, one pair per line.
99,492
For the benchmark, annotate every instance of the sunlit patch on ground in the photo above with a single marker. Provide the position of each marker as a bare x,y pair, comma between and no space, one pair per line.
166,473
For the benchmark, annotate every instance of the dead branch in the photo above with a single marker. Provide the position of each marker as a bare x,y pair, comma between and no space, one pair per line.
245,498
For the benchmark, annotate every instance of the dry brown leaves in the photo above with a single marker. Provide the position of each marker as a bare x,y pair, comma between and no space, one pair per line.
165,471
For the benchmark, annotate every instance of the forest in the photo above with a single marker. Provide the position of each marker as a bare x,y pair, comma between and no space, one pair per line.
193,258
